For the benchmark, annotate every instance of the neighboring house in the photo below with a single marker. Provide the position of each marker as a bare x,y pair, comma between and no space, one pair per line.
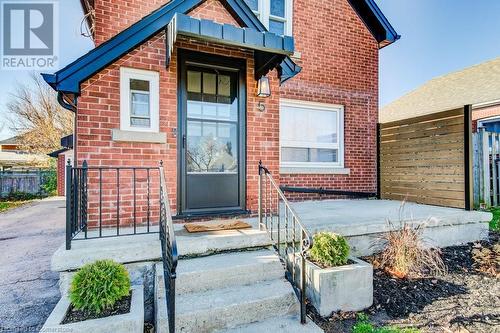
204,87
13,156
64,156
477,85
11,145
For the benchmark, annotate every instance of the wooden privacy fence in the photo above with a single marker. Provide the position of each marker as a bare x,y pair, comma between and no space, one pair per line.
427,159
29,181
486,147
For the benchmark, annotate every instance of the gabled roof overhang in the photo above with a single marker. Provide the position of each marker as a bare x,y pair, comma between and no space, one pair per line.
375,21
68,79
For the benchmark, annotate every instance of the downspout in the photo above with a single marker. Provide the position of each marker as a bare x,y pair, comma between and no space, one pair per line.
72,108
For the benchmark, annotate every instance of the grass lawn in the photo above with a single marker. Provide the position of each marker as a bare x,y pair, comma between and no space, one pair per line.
494,223
6,205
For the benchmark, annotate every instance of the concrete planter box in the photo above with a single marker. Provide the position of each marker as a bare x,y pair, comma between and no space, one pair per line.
128,322
344,288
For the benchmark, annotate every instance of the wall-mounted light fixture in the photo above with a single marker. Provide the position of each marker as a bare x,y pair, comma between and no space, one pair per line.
264,89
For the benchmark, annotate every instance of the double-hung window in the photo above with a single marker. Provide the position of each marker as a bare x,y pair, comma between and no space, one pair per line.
276,15
311,135
139,100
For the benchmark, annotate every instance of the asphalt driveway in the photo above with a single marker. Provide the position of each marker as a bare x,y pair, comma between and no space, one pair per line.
29,235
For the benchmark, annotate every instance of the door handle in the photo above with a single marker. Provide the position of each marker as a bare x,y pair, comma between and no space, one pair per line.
184,141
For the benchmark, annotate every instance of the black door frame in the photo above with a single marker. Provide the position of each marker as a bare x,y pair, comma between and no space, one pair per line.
185,58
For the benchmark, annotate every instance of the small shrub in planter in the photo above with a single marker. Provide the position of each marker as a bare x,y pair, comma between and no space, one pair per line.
329,250
336,281
100,299
98,286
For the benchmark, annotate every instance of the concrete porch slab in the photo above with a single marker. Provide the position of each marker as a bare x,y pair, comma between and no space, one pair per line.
357,217
363,221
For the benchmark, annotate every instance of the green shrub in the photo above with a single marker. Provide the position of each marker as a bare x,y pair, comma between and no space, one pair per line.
49,186
21,196
329,249
494,223
364,326
99,285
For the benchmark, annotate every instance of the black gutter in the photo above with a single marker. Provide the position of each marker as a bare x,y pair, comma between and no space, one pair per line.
63,103
57,152
326,191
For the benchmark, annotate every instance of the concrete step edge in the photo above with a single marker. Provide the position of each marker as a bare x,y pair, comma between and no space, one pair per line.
284,324
226,270
231,307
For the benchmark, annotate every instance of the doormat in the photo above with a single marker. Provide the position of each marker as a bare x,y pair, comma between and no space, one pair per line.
216,226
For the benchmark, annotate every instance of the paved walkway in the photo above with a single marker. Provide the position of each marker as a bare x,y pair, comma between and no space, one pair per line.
29,235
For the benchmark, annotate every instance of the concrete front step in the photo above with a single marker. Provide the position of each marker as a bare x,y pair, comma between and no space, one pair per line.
230,307
123,249
226,270
195,244
287,324
147,247
225,308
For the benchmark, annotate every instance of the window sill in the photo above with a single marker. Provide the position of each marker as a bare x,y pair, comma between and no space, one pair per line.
136,136
315,170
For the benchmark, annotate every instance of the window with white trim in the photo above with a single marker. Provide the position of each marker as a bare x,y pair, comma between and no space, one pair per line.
139,100
311,134
276,15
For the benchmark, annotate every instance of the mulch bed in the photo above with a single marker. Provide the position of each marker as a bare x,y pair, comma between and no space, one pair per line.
120,307
464,300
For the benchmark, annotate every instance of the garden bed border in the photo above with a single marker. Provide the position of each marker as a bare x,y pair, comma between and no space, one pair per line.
132,321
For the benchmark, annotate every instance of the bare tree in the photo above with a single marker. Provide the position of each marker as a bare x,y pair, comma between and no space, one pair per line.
37,118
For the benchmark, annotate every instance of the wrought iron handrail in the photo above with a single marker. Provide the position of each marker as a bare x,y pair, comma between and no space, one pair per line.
168,250
288,234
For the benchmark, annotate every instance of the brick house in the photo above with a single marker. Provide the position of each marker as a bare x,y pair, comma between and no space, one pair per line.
213,87
64,157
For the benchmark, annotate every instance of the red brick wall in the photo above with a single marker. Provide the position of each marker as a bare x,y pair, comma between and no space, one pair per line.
339,58
61,168
113,16
340,66
213,10
478,114
98,114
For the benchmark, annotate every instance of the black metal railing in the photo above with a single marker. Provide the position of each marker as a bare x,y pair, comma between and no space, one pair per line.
76,202
288,235
121,198
110,201
168,250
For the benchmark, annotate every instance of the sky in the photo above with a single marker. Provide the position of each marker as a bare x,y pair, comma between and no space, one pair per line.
438,37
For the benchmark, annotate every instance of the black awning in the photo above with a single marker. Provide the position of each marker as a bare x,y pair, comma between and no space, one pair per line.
270,49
